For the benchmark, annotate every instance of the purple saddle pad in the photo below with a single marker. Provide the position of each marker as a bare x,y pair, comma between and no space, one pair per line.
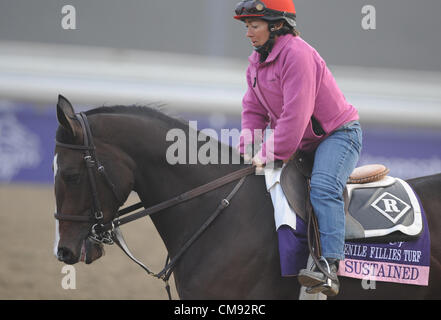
401,262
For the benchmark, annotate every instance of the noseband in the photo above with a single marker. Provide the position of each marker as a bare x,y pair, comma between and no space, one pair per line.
95,215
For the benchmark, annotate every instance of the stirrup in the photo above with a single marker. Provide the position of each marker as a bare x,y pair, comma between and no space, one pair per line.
328,281
326,286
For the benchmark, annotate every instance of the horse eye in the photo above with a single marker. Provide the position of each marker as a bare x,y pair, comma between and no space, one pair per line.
72,178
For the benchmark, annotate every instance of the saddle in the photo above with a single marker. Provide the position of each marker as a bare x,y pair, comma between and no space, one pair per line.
378,208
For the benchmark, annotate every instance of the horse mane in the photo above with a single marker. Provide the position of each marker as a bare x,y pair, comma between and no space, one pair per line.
151,111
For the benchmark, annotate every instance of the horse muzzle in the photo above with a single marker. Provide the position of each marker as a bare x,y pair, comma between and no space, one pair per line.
66,255
89,252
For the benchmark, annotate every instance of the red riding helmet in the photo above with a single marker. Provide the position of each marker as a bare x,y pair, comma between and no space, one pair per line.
270,10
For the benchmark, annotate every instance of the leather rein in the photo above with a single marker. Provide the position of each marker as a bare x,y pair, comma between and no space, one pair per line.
109,233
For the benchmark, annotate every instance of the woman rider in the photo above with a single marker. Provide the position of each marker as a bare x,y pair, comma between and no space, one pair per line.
291,89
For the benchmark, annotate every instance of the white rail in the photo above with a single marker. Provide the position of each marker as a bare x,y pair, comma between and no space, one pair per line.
104,76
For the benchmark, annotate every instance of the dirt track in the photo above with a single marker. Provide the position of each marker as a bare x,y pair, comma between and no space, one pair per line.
29,270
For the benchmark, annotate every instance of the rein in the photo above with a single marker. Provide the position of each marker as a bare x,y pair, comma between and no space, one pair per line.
166,272
109,233
215,184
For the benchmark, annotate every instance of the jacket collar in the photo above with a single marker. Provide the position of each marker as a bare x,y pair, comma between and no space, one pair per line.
281,42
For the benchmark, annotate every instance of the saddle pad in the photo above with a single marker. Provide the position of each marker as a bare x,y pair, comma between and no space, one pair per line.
399,262
387,210
283,213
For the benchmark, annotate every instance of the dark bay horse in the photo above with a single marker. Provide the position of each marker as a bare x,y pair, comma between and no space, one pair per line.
237,256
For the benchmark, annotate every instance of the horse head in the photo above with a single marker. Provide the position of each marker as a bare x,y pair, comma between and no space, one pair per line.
92,179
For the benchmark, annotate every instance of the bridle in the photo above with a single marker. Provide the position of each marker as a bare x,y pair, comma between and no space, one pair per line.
95,215
109,232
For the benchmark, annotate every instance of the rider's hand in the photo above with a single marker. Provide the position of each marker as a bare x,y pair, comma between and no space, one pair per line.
259,165
258,162
247,158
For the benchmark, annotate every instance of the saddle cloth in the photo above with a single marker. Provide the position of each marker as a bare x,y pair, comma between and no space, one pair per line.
387,236
386,210
399,262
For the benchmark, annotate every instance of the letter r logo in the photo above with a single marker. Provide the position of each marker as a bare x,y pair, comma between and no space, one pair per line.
390,205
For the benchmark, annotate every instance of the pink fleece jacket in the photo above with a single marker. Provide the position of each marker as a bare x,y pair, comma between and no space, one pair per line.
291,86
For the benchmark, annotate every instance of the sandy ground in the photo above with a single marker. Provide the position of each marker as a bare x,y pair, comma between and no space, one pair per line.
29,270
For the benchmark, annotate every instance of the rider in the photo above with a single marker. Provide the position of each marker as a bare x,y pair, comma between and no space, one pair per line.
291,89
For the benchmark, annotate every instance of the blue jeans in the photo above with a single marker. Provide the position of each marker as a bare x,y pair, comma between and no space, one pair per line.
335,159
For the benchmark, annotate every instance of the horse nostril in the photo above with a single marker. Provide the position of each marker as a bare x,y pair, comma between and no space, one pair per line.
64,254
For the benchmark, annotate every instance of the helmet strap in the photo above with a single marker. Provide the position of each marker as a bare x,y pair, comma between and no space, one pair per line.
266,48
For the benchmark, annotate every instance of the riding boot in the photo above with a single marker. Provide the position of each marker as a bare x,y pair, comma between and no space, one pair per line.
316,281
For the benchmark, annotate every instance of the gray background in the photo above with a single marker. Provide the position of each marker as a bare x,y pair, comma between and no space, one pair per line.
407,34
387,73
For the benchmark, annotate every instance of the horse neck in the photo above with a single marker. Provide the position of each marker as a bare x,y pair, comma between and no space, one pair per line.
156,180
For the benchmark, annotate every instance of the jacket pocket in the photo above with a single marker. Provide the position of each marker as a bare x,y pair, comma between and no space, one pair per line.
317,127
310,135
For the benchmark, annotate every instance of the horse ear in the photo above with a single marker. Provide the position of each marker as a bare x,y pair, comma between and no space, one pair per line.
66,116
